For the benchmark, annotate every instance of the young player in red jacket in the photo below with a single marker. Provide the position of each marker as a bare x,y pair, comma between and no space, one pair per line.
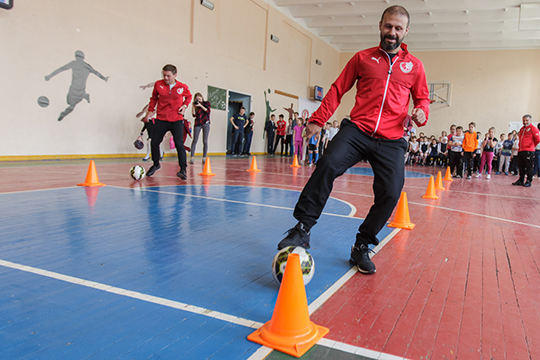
172,98
385,77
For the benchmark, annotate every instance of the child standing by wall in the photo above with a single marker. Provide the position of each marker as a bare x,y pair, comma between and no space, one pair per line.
455,153
297,138
313,148
506,154
470,144
488,145
513,159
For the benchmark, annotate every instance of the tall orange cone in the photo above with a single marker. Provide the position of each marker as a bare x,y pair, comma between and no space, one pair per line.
207,170
295,162
91,176
253,166
430,191
448,175
290,330
402,220
438,182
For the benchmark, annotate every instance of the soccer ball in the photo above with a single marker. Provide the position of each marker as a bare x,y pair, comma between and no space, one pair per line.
137,172
307,264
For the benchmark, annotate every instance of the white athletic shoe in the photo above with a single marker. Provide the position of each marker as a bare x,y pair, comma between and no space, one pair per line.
488,176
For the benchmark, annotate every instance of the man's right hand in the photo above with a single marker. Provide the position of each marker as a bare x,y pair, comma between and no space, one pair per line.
312,129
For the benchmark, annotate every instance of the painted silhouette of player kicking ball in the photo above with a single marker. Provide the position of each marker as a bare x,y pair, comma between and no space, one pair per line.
79,73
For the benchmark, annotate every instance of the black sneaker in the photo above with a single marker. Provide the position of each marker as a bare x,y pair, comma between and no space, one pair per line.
297,236
153,169
518,183
182,174
528,183
360,258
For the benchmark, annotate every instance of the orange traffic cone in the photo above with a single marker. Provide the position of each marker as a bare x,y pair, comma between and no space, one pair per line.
253,166
295,162
207,170
290,330
438,182
91,176
430,191
402,219
448,175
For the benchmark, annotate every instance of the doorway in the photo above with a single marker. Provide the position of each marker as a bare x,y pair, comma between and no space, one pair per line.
236,101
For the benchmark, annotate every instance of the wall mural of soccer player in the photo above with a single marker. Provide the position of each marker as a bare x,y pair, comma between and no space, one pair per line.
269,111
79,74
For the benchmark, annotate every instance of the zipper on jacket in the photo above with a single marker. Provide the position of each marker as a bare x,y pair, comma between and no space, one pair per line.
385,90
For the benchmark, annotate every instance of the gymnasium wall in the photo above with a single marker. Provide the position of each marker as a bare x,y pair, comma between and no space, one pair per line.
491,88
129,41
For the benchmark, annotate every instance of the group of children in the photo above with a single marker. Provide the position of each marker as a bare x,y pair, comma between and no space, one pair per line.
310,150
466,152
294,141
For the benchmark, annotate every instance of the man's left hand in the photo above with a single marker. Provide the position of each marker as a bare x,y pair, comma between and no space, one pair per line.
182,109
418,116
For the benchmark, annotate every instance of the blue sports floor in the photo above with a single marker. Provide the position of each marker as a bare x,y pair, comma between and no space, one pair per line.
164,272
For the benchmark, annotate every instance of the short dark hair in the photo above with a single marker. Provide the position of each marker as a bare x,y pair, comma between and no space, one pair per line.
528,116
273,115
397,10
459,128
251,113
472,123
242,108
281,116
170,68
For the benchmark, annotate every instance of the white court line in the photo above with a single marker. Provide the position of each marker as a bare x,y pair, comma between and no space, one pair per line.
350,215
36,190
135,295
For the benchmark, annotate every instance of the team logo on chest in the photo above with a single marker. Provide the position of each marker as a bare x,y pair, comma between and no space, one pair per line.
180,91
406,67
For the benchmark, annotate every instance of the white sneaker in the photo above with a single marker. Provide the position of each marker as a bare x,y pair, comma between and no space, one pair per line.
488,176
478,175
192,160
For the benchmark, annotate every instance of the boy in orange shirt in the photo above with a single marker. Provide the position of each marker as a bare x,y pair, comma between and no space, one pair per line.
470,143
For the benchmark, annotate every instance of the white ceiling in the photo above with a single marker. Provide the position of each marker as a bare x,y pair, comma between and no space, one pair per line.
435,24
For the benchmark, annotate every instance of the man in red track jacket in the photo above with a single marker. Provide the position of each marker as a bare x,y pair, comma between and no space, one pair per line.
385,77
172,98
529,137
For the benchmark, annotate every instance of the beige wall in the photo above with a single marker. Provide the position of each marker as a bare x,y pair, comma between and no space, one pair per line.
491,88
130,40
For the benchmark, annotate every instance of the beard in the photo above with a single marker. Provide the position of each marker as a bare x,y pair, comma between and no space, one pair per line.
389,47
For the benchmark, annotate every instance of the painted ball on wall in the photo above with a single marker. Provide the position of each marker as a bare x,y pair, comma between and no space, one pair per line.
43,101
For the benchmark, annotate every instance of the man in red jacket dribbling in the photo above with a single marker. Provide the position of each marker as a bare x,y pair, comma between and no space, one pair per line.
385,76
172,98
529,137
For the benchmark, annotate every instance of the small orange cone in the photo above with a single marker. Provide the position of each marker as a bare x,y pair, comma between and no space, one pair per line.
207,170
430,191
402,219
448,175
295,162
253,166
290,330
91,176
438,182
